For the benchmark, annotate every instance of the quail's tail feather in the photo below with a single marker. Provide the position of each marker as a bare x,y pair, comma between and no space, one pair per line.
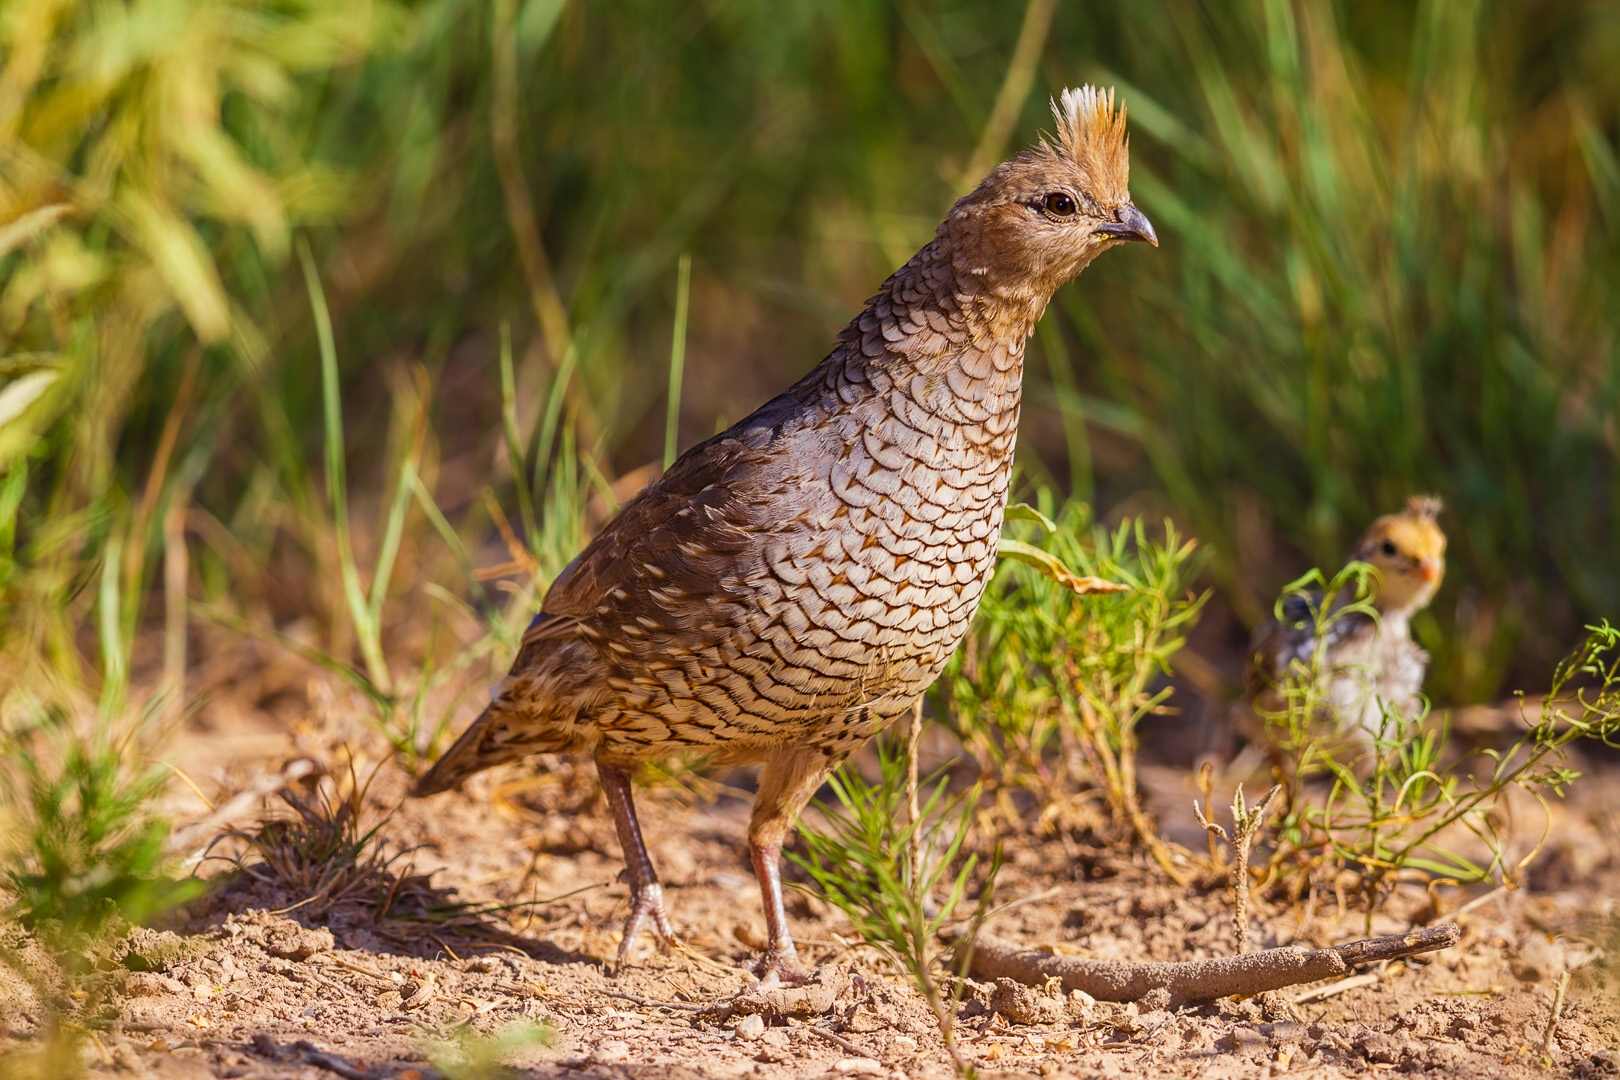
480,747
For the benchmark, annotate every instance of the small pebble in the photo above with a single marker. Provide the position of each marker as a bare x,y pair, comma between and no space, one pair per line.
749,1027
859,1065
610,1052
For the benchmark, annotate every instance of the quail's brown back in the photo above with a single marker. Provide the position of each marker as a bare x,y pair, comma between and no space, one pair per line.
803,576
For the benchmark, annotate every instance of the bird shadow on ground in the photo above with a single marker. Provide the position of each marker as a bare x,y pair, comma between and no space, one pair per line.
315,865
382,912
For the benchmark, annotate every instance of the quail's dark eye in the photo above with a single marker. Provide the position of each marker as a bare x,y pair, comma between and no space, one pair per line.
1059,204
1388,548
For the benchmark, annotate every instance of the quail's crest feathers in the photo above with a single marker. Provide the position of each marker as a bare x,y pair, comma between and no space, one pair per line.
1424,506
1091,135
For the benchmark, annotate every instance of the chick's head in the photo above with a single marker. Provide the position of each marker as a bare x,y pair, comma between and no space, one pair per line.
1409,552
1039,218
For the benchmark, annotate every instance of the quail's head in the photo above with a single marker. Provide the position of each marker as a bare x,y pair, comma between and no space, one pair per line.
1409,552
1038,219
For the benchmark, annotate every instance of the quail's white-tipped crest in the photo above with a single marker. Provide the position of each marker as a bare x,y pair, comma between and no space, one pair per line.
1424,506
1091,134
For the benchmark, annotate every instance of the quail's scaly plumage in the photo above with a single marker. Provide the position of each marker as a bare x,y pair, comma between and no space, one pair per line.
793,584
1370,664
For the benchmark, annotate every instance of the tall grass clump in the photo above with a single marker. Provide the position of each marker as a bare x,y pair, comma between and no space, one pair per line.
1049,689
149,175
1390,266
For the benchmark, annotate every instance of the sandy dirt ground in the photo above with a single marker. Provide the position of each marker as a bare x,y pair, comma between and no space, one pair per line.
503,909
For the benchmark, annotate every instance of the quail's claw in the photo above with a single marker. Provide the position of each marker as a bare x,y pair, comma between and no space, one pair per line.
646,905
779,966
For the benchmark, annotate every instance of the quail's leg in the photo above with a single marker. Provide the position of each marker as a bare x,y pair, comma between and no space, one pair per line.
789,778
646,894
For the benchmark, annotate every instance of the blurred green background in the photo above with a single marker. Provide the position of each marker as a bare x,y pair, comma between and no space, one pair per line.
1389,264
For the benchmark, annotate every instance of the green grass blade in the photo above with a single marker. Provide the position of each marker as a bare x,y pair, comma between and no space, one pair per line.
677,358
366,628
514,446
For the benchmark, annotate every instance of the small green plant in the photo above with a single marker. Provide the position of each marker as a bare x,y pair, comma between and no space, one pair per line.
81,843
883,858
1406,813
84,849
1303,717
1049,689
83,856
475,1057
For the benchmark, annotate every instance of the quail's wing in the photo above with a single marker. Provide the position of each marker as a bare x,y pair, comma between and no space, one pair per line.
682,540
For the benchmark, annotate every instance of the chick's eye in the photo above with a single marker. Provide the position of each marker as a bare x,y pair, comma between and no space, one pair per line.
1059,204
1388,548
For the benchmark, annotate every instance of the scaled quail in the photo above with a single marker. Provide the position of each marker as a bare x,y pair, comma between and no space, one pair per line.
1369,662
795,583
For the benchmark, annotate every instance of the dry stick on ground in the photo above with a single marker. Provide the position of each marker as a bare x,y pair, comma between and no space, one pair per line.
1200,980
330,1062
837,1040
1343,986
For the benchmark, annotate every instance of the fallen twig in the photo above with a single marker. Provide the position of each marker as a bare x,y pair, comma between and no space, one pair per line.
1343,986
650,1003
837,1040
330,1062
1199,980
1478,902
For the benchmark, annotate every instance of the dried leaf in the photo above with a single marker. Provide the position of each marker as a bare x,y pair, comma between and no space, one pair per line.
1056,569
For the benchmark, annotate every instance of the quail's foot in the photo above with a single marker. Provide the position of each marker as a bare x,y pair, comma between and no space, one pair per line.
646,906
779,966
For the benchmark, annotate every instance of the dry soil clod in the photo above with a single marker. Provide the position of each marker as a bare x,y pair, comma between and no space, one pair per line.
814,998
1200,980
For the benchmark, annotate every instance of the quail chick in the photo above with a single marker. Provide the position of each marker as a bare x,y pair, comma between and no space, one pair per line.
1370,664
795,583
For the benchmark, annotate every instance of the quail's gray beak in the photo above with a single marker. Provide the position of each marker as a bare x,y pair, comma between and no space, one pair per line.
1129,224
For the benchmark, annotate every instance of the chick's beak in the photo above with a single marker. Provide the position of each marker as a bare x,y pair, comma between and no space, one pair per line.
1129,224
1430,569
